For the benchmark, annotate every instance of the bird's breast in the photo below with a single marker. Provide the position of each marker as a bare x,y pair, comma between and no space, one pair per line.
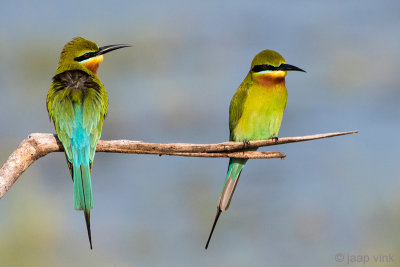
262,113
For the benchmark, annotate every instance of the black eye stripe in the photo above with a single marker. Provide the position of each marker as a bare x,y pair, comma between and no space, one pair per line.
85,56
259,68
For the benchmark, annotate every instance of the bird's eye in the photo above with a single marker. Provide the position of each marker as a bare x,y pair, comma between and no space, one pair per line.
264,67
85,56
258,68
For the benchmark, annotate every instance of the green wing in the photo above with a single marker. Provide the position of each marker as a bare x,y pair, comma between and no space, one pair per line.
70,92
237,106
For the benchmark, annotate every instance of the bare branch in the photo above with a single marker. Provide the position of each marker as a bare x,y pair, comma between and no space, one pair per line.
38,145
135,147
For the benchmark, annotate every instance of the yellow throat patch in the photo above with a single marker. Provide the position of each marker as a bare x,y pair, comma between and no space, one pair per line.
271,78
93,63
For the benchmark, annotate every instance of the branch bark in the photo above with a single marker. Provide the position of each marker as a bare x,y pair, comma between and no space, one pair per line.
38,145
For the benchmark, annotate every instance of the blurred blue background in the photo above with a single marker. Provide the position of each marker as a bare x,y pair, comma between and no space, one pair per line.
329,196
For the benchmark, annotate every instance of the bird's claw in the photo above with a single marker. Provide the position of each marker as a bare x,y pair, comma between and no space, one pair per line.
246,144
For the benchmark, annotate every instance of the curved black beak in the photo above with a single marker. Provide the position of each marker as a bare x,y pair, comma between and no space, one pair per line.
109,48
288,67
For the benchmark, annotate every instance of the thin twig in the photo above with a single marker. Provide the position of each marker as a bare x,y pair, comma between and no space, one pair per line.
38,145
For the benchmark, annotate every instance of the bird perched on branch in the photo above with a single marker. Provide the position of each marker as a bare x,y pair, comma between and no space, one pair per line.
77,103
255,113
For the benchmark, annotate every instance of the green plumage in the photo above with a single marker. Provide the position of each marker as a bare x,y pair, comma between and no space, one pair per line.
77,103
255,113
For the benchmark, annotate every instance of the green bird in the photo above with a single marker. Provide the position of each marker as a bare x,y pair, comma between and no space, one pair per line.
77,103
255,113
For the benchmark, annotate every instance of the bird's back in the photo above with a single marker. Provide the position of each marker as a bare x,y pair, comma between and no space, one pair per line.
77,102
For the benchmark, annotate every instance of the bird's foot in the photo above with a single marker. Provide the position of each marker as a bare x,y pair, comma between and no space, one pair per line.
275,138
246,144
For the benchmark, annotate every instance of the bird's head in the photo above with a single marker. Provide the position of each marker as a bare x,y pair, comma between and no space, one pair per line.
270,65
81,53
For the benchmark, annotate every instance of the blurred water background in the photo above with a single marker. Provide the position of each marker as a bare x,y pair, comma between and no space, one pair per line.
174,84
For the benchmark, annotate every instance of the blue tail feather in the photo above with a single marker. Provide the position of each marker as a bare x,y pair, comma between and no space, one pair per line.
234,168
81,168
83,198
